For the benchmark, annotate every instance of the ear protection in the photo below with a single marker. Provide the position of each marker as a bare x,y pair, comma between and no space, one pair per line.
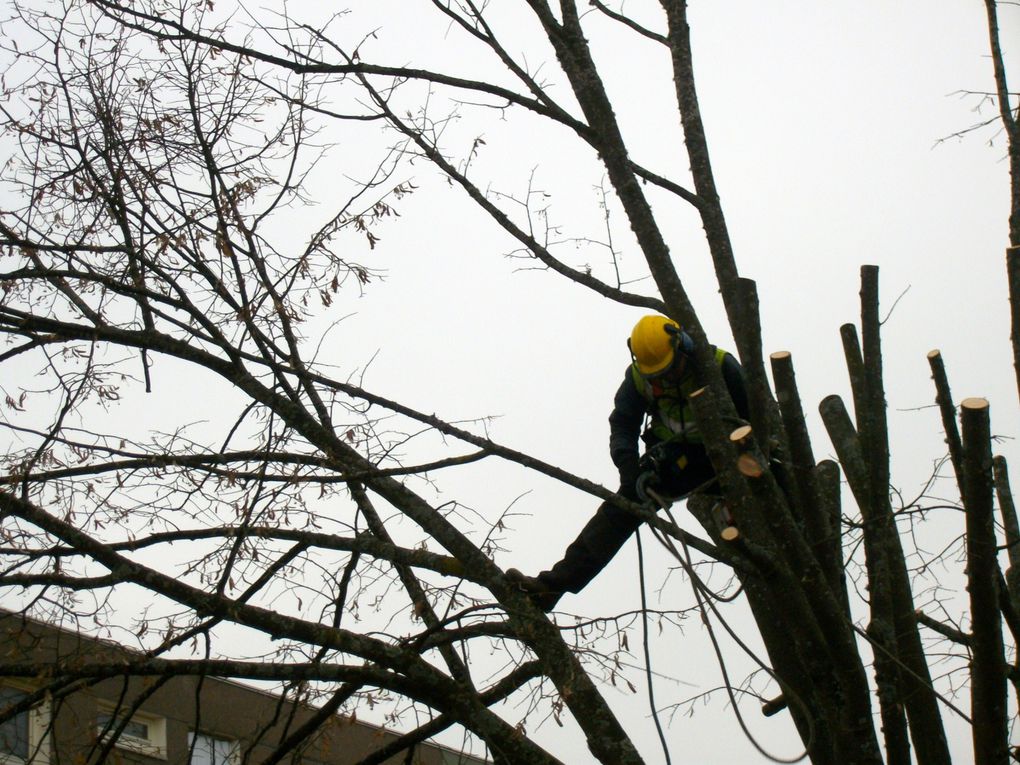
682,342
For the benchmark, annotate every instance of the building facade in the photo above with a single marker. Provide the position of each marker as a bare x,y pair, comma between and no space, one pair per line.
157,720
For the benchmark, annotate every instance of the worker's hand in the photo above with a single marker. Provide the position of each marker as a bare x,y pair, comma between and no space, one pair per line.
649,486
648,463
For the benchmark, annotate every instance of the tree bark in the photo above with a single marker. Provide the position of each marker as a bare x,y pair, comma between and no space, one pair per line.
1010,125
944,400
836,697
1007,509
988,688
828,483
1013,280
824,540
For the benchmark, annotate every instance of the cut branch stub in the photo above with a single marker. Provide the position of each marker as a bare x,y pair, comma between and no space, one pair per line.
749,466
741,435
803,488
944,399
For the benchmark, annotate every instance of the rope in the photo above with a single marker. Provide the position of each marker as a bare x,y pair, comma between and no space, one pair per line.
648,652
698,593
704,596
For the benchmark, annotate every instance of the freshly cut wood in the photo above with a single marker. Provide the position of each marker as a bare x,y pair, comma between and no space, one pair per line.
749,466
730,534
741,435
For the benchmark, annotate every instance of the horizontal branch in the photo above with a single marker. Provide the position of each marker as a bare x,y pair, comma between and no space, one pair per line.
363,543
163,28
80,667
207,461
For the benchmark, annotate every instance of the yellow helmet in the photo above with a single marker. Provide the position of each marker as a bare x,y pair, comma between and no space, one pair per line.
653,344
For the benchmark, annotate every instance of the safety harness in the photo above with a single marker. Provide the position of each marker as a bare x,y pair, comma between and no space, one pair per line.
671,416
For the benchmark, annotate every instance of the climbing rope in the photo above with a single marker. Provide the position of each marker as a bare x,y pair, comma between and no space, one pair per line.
704,597
648,652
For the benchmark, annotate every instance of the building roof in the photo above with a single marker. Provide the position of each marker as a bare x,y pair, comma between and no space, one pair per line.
256,718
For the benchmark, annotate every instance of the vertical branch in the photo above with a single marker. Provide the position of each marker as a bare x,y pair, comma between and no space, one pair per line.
765,419
696,141
802,461
844,438
1010,125
854,367
944,399
1009,585
1013,280
739,297
881,629
926,729
988,690
1009,524
871,419
829,504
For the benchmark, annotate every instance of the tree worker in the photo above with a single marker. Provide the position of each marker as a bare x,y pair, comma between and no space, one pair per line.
657,384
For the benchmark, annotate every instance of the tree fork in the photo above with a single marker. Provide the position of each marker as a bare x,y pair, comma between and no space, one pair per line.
458,669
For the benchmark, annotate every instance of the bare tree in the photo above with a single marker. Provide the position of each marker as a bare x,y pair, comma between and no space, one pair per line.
160,157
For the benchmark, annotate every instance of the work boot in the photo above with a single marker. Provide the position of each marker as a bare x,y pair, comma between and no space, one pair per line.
539,592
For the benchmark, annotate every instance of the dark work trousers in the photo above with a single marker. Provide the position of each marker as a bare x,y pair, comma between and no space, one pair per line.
610,527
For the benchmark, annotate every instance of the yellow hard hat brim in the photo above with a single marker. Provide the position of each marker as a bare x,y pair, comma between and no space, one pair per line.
656,369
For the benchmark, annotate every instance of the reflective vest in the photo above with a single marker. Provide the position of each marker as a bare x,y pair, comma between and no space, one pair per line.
672,417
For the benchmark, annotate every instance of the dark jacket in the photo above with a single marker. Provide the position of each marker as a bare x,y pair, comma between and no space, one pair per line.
630,408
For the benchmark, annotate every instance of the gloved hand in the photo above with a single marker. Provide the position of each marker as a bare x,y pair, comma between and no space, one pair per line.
657,456
648,463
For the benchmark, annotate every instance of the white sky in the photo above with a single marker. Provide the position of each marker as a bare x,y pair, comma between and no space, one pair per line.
823,120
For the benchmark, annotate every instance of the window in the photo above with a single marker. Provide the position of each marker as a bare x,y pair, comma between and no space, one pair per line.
23,738
143,733
210,750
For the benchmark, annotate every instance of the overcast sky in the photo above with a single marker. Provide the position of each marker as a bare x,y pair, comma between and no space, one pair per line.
826,124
